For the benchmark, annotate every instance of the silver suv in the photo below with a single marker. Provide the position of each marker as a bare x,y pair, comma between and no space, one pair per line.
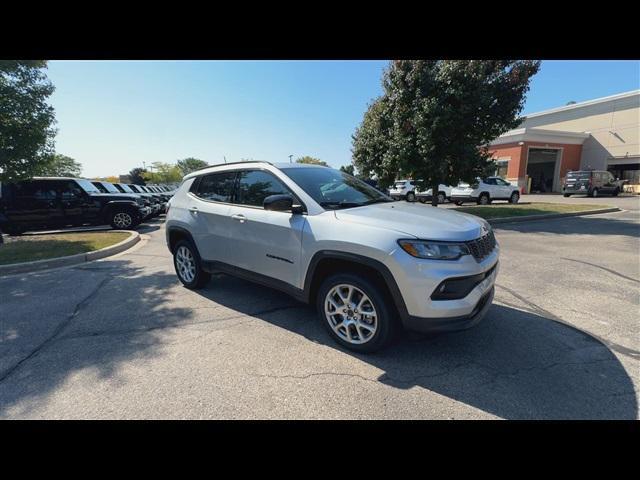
369,264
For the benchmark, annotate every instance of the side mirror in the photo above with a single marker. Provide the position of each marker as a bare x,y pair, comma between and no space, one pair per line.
281,203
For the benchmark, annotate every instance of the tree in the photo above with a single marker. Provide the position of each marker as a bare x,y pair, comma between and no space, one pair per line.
190,164
312,161
137,176
164,173
26,120
436,118
348,169
57,165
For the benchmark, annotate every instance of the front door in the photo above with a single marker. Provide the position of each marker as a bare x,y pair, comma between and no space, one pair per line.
265,242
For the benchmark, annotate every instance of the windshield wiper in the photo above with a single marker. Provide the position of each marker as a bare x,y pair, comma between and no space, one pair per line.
337,205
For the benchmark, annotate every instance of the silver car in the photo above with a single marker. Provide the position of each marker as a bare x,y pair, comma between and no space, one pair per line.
369,264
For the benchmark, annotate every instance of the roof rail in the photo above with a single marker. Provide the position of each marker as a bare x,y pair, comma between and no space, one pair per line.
231,163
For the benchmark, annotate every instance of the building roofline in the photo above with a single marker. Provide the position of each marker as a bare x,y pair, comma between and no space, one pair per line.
540,135
586,103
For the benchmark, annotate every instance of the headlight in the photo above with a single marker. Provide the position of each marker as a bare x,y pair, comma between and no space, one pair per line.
434,250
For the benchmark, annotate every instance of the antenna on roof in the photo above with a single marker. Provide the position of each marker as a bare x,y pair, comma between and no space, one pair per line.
225,159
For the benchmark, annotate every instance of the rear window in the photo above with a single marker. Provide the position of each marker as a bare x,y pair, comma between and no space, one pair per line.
216,187
578,175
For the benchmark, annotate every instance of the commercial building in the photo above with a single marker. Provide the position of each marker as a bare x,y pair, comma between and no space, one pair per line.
600,134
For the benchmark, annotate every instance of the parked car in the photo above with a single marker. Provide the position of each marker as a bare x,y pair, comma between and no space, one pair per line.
484,191
405,190
444,194
157,206
159,197
54,202
370,265
591,183
107,187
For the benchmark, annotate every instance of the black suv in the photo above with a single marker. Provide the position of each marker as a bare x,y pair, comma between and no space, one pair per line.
46,202
591,183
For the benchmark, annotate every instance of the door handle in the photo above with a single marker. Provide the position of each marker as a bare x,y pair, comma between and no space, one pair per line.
193,209
238,216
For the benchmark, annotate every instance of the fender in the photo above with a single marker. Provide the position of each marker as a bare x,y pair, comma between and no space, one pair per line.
182,232
366,261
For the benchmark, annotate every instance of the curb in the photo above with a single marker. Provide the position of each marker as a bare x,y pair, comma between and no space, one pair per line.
531,218
37,265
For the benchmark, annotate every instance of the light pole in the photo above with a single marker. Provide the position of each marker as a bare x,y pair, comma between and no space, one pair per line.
290,159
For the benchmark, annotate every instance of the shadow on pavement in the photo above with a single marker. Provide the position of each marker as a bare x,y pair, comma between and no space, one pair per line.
515,364
118,312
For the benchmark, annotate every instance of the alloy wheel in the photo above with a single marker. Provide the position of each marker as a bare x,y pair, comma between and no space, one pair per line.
351,314
122,220
186,264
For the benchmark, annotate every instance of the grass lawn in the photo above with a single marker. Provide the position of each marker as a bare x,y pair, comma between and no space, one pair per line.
28,248
502,210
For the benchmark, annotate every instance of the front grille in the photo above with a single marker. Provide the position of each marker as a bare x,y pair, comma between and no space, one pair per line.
483,246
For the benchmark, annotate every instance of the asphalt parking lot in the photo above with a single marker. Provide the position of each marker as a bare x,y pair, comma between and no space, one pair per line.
121,338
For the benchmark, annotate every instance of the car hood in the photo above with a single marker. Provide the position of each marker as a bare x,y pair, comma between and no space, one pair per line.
430,223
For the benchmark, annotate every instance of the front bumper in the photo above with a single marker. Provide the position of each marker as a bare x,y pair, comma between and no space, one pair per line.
144,212
463,322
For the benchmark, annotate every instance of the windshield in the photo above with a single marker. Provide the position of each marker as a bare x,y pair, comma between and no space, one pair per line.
399,184
133,188
125,188
87,186
578,175
110,188
333,189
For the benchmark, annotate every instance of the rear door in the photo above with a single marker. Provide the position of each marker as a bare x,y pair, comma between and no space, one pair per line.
35,203
209,214
264,241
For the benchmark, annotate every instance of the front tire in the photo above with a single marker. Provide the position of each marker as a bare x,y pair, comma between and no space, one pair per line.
442,197
594,193
566,195
515,196
355,312
411,197
458,203
188,265
616,192
123,220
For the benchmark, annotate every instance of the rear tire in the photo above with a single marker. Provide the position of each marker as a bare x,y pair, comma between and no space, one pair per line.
188,265
411,197
375,317
422,200
566,195
458,202
594,193
442,197
616,192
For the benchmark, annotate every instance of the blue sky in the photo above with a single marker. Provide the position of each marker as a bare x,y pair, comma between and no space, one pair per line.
115,115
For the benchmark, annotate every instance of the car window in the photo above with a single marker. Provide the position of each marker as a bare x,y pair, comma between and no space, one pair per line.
490,181
71,190
502,182
256,185
216,187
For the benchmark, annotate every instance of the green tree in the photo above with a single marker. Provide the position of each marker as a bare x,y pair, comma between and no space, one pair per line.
348,169
436,118
163,173
57,165
137,176
26,120
190,164
312,161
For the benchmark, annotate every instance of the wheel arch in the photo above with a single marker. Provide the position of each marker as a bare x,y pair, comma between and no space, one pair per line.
327,262
175,234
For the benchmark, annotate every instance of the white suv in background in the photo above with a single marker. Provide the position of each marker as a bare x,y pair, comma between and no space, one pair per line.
484,191
405,190
444,194
369,264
